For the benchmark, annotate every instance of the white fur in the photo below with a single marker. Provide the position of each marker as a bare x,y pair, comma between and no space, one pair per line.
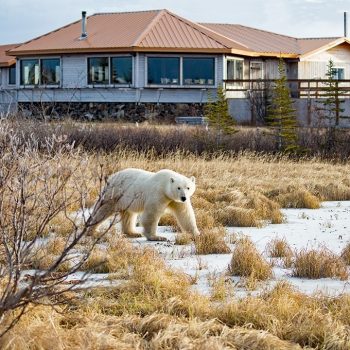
134,191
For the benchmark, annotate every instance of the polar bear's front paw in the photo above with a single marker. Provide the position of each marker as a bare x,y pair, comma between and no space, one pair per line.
133,235
156,238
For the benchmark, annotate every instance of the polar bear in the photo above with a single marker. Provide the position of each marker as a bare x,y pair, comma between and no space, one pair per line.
131,192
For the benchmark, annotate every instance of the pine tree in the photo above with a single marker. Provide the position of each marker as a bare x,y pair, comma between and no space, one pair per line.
218,114
282,115
329,107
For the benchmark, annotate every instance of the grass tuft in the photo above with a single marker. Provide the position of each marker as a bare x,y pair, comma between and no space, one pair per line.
320,263
212,242
345,254
248,262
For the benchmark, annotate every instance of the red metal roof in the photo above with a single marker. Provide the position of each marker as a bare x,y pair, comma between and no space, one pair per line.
5,60
163,31
158,29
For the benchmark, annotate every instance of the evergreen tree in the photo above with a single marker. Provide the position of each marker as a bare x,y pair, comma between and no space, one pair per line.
282,115
218,114
329,107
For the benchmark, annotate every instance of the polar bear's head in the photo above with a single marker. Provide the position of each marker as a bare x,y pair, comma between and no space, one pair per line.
181,188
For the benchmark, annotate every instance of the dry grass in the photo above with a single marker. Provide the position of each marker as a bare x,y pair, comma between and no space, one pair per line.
239,217
321,263
247,262
298,198
183,239
157,307
212,242
278,248
345,254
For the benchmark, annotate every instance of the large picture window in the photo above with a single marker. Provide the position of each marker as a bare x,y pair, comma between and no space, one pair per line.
45,71
12,75
98,68
30,72
121,70
198,71
50,71
163,70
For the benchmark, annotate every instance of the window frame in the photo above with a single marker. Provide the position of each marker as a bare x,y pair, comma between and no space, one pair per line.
39,85
163,85
233,58
88,72
200,85
336,69
14,66
111,72
41,68
181,84
110,83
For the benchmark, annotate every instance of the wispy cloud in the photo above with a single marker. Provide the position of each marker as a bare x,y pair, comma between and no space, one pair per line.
22,20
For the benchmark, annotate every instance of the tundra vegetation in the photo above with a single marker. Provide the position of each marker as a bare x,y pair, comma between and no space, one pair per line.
51,173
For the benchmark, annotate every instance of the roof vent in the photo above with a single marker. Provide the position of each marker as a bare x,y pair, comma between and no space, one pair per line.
83,26
345,24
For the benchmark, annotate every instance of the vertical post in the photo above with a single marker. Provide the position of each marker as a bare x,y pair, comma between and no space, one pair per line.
337,108
309,118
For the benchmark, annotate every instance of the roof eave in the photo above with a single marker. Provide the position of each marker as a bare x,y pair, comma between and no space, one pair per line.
7,63
118,49
264,54
324,48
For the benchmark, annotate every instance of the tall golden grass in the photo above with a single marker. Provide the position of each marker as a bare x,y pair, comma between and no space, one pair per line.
157,307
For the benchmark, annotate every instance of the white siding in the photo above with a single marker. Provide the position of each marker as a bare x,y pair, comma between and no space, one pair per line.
315,66
74,69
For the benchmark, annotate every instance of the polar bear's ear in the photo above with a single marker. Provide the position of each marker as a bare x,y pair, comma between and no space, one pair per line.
193,179
172,180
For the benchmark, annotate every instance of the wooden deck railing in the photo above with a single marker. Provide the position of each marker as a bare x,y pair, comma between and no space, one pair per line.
300,88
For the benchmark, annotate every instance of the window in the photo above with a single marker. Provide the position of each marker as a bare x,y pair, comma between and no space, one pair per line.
235,70
198,71
163,70
30,72
46,71
12,75
50,71
338,73
121,70
98,68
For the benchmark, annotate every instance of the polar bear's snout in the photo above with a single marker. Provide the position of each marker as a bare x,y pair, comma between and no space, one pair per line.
183,198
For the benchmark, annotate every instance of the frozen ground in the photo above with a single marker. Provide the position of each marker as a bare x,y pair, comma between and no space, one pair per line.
328,226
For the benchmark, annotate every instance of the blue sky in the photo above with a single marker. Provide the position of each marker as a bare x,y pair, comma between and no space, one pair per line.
21,20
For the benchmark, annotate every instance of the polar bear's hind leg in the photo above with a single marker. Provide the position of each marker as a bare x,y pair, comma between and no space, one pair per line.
129,223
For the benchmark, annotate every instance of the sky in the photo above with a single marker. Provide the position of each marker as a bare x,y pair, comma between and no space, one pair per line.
22,20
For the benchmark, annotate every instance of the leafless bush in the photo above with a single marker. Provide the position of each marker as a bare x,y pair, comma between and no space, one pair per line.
35,188
165,139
